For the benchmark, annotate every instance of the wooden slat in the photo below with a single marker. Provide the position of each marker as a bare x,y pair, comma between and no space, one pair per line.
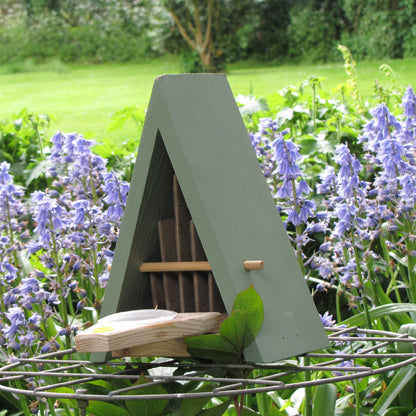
183,247
175,266
170,348
215,300
157,289
182,218
112,338
168,253
200,279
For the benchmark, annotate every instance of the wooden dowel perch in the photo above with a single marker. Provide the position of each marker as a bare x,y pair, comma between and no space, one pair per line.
192,266
176,266
253,264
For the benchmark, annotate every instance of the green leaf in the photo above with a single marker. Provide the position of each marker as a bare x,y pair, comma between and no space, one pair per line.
345,411
146,407
325,400
217,410
284,115
212,347
380,312
193,407
24,262
250,304
37,171
50,328
307,143
107,409
395,386
249,412
236,332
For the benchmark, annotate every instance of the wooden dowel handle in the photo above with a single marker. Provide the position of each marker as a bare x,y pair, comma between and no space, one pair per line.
192,266
253,264
176,266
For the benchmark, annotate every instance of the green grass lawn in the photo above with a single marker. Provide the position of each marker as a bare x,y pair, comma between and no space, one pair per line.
82,98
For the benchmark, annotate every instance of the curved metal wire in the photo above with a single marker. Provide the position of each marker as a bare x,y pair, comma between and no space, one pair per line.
354,353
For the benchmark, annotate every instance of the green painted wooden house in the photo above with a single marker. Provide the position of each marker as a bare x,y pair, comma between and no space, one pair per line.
198,195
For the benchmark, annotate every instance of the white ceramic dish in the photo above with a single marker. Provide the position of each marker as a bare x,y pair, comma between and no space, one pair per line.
138,317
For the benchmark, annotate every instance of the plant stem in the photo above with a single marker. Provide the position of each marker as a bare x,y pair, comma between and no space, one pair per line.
338,305
308,390
23,401
62,306
314,105
362,287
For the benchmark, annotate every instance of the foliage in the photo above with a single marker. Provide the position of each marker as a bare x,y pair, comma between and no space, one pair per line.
21,145
236,332
343,176
307,41
102,31
353,231
208,34
56,248
379,29
206,28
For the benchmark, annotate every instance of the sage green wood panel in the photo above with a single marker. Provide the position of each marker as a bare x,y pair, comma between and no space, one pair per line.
233,211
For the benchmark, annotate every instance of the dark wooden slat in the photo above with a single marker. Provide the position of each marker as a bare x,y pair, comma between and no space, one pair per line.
158,292
215,299
167,231
200,279
183,247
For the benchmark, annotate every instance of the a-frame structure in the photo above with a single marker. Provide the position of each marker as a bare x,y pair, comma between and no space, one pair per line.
196,164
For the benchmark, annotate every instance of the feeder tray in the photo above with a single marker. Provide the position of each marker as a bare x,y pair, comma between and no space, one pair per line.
137,337
354,353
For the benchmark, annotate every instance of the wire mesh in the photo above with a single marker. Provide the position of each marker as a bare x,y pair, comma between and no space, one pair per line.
354,353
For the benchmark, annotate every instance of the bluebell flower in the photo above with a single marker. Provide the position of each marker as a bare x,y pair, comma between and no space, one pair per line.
49,346
34,319
116,196
343,364
73,285
103,279
53,299
29,285
11,296
81,305
326,270
327,319
409,103
307,210
5,177
10,272
27,339
303,188
17,320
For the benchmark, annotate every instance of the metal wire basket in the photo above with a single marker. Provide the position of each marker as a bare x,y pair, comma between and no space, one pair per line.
353,353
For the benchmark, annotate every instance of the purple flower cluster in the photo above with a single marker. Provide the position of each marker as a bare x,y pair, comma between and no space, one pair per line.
363,212
367,208
279,159
58,268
